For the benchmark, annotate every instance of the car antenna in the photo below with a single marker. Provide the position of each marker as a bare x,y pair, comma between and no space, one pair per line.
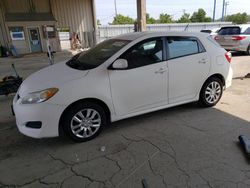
186,27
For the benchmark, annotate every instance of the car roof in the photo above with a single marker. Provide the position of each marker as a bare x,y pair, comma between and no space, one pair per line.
241,26
136,35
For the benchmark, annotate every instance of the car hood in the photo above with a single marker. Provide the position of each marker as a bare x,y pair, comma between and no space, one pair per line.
52,76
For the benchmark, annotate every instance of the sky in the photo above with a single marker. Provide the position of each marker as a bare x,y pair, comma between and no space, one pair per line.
105,9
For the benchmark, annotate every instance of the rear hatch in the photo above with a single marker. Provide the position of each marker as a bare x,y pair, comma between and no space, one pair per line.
229,36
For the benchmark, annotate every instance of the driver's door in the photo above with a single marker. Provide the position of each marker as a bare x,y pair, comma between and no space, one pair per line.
143,85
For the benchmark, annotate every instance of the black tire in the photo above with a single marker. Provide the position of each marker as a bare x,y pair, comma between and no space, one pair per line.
215,97
248,50
67,120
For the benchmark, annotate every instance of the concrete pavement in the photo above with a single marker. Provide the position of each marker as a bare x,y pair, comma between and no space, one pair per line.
184,146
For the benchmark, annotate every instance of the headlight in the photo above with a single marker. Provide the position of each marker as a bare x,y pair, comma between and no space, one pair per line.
39,96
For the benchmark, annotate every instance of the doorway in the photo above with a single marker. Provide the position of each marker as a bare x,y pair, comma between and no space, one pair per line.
34,40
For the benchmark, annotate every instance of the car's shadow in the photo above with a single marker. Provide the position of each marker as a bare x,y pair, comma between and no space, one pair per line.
237,54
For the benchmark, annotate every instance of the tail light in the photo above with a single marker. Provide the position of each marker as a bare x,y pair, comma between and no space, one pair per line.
216,38
228,56
238,37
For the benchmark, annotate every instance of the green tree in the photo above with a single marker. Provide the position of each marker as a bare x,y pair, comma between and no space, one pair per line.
238,18
185,18
200,16
165,18
120,19
150,20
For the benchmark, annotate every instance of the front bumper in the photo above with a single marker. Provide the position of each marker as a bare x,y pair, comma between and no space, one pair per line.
46,113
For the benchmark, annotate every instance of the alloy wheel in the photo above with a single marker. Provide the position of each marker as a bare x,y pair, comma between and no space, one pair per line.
213,92
85,123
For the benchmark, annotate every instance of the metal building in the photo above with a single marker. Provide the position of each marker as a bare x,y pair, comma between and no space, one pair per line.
24,23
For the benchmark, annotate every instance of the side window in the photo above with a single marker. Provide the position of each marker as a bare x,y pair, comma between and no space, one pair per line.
247,32
144,53
183,46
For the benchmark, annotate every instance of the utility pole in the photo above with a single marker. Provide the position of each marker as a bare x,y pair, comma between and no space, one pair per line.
141,15
115,8
226,4
214,10
223,6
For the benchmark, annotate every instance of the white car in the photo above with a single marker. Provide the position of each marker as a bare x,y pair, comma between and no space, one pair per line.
122,77
212,32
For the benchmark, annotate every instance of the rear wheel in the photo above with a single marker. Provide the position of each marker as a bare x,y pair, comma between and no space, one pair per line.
248,50
84,121
211,92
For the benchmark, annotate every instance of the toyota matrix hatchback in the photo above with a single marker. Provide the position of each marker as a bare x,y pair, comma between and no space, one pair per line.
122,77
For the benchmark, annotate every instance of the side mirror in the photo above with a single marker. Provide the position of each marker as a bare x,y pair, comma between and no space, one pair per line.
120,64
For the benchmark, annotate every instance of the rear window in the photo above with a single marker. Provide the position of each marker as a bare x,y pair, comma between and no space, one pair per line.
229,31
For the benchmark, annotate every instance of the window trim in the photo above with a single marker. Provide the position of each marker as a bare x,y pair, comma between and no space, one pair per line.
202,50
164,56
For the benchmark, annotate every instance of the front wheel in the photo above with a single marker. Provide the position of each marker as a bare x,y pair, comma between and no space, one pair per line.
211,92
84,121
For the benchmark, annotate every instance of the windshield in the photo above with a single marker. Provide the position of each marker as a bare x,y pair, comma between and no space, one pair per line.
96,55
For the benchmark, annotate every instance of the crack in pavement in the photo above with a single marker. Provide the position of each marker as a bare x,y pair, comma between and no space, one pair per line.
204,179
170,155
117,164
219,180
45,183
37,179
86,177
151,168
194,128
58,159
21,185
71,165
74,172
61,184
140,166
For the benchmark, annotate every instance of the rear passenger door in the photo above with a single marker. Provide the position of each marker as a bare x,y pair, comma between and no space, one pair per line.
188,64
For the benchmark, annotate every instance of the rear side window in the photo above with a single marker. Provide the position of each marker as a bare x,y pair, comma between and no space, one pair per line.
183,46
229,31
247,32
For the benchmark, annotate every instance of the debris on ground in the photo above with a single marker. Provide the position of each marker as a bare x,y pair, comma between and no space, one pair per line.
144,183
247,75
245,142
103,148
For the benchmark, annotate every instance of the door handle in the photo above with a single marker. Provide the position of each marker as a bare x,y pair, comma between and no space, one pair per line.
161,70
202,61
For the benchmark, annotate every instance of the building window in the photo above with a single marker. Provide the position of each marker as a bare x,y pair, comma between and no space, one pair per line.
50,30
16,33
